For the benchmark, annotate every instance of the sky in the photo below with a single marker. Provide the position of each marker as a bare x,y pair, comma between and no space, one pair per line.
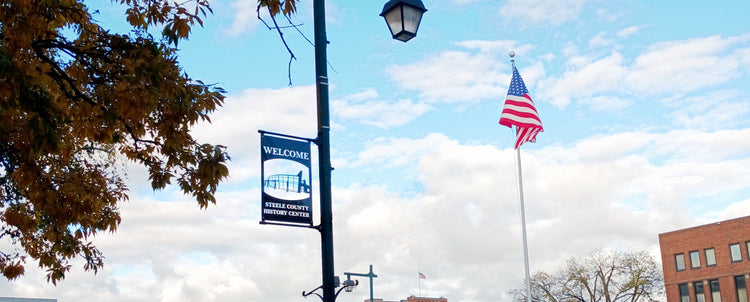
645,106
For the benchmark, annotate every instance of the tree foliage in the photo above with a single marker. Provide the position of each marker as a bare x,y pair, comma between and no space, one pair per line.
76,102
608,276
275,7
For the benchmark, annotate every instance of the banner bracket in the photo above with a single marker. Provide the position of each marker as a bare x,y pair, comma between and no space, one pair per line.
291,225
312,140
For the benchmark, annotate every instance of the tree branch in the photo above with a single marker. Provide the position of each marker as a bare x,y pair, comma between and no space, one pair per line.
60,76
281,35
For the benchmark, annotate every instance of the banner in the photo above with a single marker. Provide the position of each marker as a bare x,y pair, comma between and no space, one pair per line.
285,170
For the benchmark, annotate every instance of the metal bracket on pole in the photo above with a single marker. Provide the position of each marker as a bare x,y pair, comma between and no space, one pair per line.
313,292
290,224
310,140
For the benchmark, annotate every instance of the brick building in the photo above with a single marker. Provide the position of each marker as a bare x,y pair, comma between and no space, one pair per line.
708,263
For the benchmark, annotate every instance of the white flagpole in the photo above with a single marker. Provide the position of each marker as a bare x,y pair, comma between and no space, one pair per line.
523,224
419,281
519,179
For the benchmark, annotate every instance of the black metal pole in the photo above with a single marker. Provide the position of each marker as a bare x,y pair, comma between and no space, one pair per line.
324,151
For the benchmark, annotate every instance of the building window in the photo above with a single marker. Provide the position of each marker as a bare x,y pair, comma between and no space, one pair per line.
747,248
679,261
739,284
684,293
715,291
710,256
695,259
700,296
735,252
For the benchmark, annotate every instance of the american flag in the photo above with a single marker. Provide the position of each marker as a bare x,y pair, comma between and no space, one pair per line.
421,276
519,111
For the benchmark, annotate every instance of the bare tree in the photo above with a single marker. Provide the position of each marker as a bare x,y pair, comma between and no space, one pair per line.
602,276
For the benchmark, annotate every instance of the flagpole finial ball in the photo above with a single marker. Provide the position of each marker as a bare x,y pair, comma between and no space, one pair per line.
512,54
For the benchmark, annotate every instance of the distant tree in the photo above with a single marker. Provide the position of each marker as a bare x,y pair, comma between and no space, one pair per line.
608,276
76,101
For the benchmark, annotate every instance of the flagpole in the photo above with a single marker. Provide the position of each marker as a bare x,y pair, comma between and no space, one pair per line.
519,179
419,282
523,224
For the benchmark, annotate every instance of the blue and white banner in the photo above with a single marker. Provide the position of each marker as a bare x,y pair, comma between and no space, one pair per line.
285,170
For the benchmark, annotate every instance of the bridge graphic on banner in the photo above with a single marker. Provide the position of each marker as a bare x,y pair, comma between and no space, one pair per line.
287,183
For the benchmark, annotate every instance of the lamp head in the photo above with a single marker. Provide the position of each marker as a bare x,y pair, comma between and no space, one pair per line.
350,285
403,18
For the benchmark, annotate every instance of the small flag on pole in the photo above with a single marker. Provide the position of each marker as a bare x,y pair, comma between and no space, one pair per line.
519,111
421,276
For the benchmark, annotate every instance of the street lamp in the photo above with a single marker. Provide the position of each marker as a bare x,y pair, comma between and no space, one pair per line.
348,286
403,18
410,14
370,275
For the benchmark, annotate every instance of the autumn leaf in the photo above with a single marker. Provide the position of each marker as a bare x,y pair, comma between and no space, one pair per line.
286,7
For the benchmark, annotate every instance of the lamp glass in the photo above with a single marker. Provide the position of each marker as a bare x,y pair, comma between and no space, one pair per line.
412,17
393,18
349,285
403,19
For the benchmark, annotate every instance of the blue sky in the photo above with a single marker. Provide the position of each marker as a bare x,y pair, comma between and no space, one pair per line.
645,108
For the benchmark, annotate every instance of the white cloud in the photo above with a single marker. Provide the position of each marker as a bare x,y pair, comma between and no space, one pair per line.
235,125
394,152
744,56
290,111
664,70
500,46
686,145
620,179
629,31
452,77
734,210
600,41
606,103
542,11
601,76
718,110
245,18
607,83
366,109
462,2
461,76
682,66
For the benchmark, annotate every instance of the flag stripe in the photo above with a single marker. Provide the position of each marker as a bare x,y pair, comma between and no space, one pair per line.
528,112
521,111
511,108
526,135
522,103
523,122
523,100
515,115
